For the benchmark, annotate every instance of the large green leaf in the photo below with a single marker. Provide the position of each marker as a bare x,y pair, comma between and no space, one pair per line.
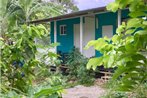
94,62
48,92
121,69
134,22
130,31
113,6
91,43
130,48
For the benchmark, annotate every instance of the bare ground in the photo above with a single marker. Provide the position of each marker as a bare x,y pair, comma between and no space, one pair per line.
84,92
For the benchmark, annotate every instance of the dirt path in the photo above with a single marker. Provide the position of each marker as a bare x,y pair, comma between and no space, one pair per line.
84,92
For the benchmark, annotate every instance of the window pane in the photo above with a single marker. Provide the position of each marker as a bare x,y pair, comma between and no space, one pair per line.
107,31
64,29
61,30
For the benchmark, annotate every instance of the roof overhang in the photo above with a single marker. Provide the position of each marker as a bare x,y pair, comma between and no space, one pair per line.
70,15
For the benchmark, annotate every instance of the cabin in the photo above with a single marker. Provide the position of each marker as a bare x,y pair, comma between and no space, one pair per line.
78,28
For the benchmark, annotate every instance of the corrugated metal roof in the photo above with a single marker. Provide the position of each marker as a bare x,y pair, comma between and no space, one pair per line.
70,15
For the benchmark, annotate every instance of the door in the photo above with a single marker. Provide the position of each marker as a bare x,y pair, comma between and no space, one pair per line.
88,35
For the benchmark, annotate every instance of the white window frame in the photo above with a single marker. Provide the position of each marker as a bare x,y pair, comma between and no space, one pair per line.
65,31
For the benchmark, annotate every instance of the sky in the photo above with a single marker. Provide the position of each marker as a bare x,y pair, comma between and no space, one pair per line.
87,4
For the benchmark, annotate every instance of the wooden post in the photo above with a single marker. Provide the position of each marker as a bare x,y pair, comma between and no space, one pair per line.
55,34
119,18
81,34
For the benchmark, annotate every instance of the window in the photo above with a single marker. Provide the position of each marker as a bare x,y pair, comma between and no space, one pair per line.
107,31
63,30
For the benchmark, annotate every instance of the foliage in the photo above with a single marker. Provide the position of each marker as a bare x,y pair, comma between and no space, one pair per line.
52,87
77,67
18,62
45,89
84,76
74,59
128,47
137,92
49,93
18,12
27,10
18,56
140,91
48,59
115,95
69,5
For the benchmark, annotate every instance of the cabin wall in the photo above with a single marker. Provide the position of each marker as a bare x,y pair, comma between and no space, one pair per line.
124,14
66,41
103,19
107,19
52,32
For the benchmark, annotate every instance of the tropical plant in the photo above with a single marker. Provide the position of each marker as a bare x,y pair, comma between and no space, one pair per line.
73,60
69,5
17,12
128,47
44,90
76,63
52,87
18,48
18,57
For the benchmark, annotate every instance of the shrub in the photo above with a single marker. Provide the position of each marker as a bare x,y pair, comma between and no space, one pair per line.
76,63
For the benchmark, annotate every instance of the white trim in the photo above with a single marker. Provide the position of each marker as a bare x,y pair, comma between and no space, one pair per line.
81,34
97,23
119,18
55,35
60,30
